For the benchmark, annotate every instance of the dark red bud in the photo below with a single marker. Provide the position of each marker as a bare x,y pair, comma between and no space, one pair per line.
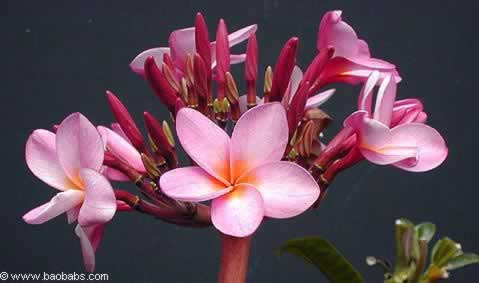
283,69
251,63
200,77
159,84
157,135
202,41
222,57
167,60
297,106
126,122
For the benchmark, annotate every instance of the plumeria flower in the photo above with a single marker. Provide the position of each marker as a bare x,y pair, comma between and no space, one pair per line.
395,133
182,43
70,161
294,81
119,145
352,61
242,175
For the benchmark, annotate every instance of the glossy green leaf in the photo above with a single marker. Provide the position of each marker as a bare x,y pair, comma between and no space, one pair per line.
461,261
444,250
425,231
322,254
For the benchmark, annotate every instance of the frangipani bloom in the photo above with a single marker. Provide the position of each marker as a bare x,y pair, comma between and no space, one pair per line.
182,43
351,62
408,143
70,161
296,77
242,175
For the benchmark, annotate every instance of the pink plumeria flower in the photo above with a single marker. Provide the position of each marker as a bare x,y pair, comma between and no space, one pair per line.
294,81
242,175
117,144
70,161
352,61
182,43
408,143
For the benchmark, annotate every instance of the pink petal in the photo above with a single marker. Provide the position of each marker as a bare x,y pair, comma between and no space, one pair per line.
432,149
294,81
379,145
72,214
340,69
114,175
117,129
181,43
137,65
338,34
99,204
90,238
287,188
41,157
320,98
241,35
59,204
238,213
122,148
79,145
191,184
366,95
260,136
206,143
385,101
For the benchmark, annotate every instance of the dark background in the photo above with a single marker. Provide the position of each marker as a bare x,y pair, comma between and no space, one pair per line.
58,57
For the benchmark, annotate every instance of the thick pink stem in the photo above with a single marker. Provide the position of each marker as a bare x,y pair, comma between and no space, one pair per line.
234,259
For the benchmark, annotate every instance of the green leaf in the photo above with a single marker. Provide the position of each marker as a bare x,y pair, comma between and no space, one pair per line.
461,261
322,254
425,231
444,250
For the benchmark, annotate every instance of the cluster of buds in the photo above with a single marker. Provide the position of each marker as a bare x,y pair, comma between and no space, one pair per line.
288,124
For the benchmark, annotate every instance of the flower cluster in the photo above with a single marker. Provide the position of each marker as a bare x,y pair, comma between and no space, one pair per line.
273,165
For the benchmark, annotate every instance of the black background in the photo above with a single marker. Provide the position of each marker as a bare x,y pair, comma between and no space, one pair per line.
58,57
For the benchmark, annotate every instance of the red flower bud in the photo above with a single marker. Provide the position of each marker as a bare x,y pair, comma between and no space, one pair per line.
283,69
159,84
200,77
202,42
126,122
156,133
222,57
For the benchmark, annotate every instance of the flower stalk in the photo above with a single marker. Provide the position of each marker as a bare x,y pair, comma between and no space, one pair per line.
234,259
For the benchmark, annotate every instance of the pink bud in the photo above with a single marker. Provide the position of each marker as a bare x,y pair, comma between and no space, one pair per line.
222,57
159,84
126,122
283,69
202,41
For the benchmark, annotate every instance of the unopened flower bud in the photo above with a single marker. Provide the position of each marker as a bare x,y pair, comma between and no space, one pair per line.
202,42
159,84
126,122
283,69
